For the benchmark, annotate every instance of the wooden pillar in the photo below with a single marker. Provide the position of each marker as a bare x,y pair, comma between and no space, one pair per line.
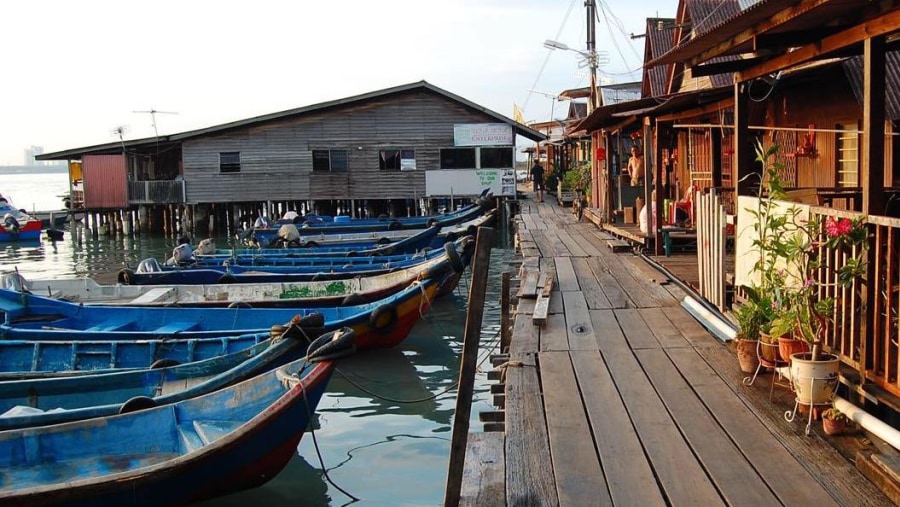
654,210
872,179
715,137
743,159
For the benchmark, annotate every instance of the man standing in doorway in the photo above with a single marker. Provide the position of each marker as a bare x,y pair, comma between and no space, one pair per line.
537,179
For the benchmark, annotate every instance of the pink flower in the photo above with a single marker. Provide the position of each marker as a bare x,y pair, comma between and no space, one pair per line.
845,226
831,227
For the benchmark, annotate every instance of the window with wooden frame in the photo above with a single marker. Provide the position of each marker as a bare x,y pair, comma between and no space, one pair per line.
397,159
329,160
496,158
458,158
230,162
847,140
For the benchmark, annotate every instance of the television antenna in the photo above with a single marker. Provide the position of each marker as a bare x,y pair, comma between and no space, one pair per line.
153,112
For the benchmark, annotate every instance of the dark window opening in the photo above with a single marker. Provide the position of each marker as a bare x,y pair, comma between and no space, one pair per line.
329,160
496,158
230,162
458,158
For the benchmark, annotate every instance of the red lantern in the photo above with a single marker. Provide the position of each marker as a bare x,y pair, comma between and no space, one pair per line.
601,153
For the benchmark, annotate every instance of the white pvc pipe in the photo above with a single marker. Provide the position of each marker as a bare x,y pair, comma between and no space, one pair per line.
868,421
713,323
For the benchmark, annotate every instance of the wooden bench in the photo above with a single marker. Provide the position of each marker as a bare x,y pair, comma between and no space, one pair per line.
667,233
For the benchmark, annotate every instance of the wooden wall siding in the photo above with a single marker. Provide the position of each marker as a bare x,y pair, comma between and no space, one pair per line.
104,182
276,158
694,161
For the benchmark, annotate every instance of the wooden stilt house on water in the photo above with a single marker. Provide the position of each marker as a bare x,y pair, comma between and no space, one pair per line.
406,150
818,78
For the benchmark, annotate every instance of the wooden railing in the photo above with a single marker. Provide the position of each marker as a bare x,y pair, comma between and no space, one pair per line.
156,192
711,239
865,332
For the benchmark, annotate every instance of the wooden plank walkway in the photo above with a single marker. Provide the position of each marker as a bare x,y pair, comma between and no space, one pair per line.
619,397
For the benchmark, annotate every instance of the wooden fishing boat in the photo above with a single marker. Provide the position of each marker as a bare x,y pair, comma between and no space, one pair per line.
28,359
31,317
40,402
228,440
306,294
308,229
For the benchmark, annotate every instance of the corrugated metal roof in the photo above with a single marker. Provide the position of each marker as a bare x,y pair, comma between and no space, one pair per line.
708,14
853,67
518,128
660,39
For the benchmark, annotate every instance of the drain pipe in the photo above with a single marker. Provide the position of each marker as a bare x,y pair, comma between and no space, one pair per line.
701,309
868,421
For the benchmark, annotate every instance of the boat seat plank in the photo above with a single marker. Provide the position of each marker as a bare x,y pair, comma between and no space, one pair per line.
111,325
175,327
210,431
189,438
154,295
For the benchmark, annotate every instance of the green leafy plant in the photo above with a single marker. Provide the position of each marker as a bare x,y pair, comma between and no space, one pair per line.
791,250
578,178
834,414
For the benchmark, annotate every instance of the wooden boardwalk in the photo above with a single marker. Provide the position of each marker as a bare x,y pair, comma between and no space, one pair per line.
622,398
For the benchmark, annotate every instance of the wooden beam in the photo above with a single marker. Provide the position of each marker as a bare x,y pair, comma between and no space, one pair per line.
881,25
711,69
742,158
698,111
751,33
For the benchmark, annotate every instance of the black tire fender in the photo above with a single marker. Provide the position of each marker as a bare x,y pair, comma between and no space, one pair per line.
353,300
137,403
125,276
311,244
383,318
432,222
395,226
454,258
383,241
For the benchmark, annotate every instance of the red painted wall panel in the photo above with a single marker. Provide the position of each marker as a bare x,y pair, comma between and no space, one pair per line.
105,182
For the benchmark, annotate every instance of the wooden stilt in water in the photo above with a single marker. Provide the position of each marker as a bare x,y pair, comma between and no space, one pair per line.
471,337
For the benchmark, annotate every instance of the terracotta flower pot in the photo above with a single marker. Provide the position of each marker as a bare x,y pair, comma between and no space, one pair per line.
788,346
746,354
770,354
834,426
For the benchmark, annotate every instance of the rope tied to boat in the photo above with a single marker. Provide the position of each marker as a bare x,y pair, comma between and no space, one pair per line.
503,367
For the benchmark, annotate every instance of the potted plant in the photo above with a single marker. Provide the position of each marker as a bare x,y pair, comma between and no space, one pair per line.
834,422
792,266
578,180
750,316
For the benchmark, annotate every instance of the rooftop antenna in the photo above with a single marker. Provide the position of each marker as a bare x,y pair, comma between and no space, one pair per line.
153,112
120,132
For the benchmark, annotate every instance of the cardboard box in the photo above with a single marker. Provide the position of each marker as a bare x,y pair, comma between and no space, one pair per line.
628,214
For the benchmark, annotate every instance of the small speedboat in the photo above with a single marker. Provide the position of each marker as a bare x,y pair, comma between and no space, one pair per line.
16,225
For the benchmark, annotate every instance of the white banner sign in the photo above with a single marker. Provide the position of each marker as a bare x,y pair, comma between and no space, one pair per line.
469,182
482,134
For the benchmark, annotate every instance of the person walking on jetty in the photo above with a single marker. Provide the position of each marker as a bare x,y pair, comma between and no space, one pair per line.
537,179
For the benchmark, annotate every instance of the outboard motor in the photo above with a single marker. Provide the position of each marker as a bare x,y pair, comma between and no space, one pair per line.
182,254
206,247
13,281
262,223
150,265
11,224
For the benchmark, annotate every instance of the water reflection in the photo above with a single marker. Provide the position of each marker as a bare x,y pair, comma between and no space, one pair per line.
300,483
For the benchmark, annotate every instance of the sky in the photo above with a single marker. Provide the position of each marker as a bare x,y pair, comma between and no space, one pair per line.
77,71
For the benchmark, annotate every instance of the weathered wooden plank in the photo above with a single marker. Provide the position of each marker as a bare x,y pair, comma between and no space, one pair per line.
607,331
617,245
625,466
589,247
609,285
484,481
735,477
687,325
544,244
525,306
528,289
636,291
573,246
576,466
529,470
590,287
565,274
556,303
578,322
560,248
553,335
643,272
682,479
541,308
666,333
635,329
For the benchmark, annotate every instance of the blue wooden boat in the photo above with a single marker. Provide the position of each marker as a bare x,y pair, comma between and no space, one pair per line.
266,235
31,317
40,402
30,359
295,294
373,243
16,225
228,440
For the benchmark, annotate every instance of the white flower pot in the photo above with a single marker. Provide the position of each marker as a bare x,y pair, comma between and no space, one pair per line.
814,382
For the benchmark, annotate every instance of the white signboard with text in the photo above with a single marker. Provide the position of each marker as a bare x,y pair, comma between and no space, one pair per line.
483,134
468,182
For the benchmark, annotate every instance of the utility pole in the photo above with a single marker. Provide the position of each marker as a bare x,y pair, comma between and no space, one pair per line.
595,100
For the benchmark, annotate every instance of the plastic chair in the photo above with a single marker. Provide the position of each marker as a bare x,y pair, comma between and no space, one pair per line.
765,352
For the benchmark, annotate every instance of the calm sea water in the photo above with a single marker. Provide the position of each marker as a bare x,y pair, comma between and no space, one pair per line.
383,428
